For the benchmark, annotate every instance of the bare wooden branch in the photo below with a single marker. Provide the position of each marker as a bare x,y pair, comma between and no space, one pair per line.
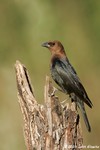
51,126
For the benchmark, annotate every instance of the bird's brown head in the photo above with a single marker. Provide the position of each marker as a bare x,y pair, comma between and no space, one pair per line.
55,47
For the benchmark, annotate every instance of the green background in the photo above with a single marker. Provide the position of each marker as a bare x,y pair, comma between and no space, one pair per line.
24,26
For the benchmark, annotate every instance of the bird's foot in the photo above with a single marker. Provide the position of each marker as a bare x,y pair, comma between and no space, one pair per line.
54,91
64,101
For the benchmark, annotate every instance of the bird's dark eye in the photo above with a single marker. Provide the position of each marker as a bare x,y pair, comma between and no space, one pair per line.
52,44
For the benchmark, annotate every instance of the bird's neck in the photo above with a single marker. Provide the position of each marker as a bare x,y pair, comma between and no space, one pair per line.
58,55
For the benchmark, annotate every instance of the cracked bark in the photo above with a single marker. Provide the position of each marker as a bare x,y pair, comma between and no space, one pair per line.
52,126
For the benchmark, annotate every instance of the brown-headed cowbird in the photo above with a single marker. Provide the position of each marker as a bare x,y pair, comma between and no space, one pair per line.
66,77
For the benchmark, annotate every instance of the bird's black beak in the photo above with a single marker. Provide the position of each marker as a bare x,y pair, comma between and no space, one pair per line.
46,44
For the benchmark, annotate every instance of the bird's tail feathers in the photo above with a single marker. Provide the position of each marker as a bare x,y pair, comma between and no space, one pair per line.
82,108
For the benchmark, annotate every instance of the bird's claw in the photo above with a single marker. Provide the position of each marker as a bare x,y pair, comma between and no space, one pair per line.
53,93
64,101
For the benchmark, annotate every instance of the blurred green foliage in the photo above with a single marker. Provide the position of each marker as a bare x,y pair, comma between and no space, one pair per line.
24,26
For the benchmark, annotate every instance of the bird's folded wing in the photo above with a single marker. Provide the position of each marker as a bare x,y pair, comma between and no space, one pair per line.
71,80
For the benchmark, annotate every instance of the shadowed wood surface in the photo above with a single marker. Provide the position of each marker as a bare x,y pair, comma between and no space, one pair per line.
52,126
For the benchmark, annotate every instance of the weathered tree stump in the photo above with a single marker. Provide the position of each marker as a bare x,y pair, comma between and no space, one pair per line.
52,126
